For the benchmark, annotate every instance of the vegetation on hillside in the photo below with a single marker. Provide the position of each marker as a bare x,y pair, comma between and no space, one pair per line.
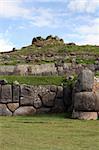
46,50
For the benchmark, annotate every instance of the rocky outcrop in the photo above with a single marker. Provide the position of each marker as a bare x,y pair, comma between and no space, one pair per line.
50,40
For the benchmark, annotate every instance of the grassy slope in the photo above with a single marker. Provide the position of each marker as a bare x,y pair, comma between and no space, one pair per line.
35,80
56,48
48,133
59,48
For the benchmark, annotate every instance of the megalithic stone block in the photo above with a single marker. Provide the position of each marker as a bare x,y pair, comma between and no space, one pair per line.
27,93
84,101
6,94
16,93
97,102
84,115
85,81
25,111
4,111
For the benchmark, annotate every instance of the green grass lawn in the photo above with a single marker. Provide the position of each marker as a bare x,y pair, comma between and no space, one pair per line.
48,132
35,80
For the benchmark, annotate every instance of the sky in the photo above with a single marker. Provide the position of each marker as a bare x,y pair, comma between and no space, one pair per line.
73,20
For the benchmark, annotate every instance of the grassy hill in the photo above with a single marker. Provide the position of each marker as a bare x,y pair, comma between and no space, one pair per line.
50,50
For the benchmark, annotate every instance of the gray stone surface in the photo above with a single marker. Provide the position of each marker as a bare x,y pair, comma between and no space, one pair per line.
6,70
85,81
59,92
48,99
37,103
43,110
12,106
53,88
26,95
59,106
16,93
84,115
4,111
97,102
25,111
84,101
43,68
6,93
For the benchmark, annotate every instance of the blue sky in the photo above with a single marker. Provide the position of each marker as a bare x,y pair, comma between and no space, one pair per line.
73,20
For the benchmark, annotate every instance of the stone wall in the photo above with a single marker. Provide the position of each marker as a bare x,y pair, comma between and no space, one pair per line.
86,96
30,100
82,99
46,69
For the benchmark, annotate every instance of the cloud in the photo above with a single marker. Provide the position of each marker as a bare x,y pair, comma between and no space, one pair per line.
45,1
88,6
5,45
9,8
40,17
89,33
44,17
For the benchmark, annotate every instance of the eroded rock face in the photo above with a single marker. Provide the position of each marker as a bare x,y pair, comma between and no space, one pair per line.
4,111
84,101
25,110
84,115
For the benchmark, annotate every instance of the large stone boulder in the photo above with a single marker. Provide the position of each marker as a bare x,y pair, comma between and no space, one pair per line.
59,92
26,95
97,102
85,81
43,69
4,111
30,96
12,106
84,115
59,106
84,101
25,111
48,99
16,93
6,93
